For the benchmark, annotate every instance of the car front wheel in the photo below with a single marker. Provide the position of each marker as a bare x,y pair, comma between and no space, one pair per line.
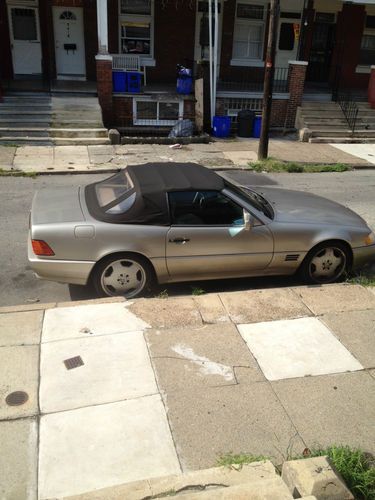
123,275
326,263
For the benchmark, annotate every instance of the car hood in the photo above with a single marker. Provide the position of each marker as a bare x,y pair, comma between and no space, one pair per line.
298,206
56,205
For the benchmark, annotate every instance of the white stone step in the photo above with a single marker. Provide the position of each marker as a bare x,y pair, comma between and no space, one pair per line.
342,140
78,132
23,132
79,141
23,141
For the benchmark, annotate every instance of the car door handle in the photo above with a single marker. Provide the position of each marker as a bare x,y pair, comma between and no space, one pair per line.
180,241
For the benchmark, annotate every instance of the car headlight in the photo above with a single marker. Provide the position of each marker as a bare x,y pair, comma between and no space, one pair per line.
370,238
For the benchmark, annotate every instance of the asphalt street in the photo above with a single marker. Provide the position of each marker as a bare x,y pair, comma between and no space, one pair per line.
18,284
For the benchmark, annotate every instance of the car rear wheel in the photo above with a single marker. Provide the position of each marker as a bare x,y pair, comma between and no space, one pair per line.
326,263
123,275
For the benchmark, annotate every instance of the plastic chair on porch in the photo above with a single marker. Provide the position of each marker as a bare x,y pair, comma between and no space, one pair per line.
128,62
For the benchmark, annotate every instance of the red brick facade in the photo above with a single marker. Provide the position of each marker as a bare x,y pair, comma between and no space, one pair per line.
297,74
104,85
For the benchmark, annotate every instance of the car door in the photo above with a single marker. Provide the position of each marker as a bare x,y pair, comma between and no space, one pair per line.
208,239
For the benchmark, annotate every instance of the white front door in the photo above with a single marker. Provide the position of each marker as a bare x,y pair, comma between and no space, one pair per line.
69,42
25,40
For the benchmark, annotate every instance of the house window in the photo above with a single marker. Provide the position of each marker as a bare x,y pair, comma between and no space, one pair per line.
367,52
146,112
286,38
248,34
136,27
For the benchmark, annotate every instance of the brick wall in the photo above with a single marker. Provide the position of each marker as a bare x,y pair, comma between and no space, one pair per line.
104,86
91,37
278,112
297,75
173,39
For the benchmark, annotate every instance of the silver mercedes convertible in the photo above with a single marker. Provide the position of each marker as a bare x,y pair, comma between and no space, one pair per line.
169,222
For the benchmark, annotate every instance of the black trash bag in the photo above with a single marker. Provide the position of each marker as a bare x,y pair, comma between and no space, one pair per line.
183,128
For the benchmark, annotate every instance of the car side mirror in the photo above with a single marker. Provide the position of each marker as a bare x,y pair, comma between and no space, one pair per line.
248,220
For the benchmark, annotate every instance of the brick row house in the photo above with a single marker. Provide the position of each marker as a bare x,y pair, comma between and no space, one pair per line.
322,45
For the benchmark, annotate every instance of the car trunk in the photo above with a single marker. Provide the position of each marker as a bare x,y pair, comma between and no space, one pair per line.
56,206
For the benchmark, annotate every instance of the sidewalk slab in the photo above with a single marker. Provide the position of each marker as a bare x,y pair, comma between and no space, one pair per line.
242,158
263,305
297,348
211,308
19,459
19,371
242,418
355,330
81,322
336,298
331,409
101,446
21,328
116,367
7,156
167,313
200,356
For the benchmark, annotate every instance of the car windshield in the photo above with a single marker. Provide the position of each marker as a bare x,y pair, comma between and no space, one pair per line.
256,199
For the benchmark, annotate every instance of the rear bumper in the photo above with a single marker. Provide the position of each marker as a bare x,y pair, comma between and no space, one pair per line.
363,255
64,271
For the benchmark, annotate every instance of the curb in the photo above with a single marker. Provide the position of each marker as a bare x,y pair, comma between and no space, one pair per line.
18,173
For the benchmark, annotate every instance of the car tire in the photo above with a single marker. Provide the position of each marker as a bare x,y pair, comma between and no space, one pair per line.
125,275
326,263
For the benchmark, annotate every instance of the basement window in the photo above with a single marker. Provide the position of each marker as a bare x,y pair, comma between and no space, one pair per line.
147,112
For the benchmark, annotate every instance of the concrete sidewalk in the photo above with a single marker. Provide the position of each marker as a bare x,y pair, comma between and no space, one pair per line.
224,154
119,391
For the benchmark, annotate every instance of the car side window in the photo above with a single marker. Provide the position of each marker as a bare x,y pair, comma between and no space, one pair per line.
204,208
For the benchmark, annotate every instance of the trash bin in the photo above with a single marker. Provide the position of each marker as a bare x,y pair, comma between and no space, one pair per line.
119,81
221,126
245,119
257,126
184,85
134,82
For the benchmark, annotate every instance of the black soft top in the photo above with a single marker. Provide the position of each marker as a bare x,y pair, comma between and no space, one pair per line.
152,182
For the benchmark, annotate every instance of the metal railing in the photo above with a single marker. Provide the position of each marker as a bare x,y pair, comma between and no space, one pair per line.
349,108
249,79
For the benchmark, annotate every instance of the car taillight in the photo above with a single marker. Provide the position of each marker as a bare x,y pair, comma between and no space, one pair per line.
40,247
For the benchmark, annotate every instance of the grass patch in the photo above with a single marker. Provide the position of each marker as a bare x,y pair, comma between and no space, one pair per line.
240,459
356,467
16,173
271,165
162,295
196,290
364,279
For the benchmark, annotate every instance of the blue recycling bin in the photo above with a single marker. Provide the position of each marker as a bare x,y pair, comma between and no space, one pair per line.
134,81
119,81
257,126
221,126
184,85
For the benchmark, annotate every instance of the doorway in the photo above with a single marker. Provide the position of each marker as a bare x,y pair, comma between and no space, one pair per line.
69,43
25,40
322,45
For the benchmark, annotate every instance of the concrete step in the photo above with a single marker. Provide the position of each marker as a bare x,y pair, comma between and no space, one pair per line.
17,113
79,132
79,141
342,140
342,133
23,132
25,105
25,141
24,123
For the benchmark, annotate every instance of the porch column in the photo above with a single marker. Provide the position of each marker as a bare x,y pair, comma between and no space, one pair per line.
371,88
104,64
296,78
102,17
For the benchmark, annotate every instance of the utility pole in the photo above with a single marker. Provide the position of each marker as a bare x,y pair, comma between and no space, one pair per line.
269,74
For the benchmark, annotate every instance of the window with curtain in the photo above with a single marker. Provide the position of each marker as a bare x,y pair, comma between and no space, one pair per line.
248,35
367,52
